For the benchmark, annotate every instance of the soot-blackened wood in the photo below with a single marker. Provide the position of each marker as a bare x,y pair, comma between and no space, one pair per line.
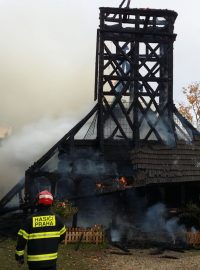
135,64
134,93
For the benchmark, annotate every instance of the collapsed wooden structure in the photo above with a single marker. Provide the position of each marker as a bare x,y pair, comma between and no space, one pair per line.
134,129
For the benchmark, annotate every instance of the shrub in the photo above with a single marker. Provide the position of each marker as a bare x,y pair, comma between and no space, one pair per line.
65,209
190,216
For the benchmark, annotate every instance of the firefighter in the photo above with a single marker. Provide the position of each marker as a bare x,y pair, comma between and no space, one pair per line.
42,232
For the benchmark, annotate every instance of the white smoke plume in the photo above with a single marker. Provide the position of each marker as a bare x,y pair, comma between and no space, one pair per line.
20,150
156,222
47,51
46,71
153,225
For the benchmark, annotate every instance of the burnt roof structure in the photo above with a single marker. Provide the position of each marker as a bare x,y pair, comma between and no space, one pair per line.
158,164
134,129
134,109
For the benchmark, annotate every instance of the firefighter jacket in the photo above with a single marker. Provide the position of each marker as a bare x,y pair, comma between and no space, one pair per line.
42,233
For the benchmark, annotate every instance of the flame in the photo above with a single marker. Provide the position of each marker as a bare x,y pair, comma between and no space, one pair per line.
99,185
115,184
123,181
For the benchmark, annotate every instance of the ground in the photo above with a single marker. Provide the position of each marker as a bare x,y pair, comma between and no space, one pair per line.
92,257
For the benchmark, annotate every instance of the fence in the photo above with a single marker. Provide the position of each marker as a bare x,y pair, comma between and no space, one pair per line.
93,235
193,238
96,235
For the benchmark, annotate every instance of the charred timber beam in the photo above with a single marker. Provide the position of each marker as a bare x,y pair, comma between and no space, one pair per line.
186,124
140,11
128,94
129,30
185,135
133,21
88,196
110,111
117,57
100,132
136,36
127,5
6,210
121,247
13,192
120,6
79,242
71,133
96,68
132,78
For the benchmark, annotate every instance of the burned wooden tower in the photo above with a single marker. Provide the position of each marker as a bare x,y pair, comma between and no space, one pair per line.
134,130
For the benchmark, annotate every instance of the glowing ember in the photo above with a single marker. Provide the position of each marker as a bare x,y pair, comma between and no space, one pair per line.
99,185
123,181
113,184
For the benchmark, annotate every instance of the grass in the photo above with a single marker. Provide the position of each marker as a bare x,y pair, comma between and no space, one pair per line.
96,257
87,257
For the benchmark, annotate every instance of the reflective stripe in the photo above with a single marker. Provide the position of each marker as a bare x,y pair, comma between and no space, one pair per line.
43,235
43,257
19,252
23,233
46,196
63,230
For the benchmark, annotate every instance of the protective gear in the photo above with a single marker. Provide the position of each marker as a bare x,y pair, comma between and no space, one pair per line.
46,268
45,198
42,232
19,259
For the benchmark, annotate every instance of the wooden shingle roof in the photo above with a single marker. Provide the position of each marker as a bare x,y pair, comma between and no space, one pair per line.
161,164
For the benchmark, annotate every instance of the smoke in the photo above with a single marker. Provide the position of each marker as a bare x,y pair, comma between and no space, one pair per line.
123,229
119,213
80,171
95,211
20,150
153,224
163,127
156,223
86,162
47,51
154,219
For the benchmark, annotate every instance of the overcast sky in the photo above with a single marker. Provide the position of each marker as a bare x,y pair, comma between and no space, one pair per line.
47,55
